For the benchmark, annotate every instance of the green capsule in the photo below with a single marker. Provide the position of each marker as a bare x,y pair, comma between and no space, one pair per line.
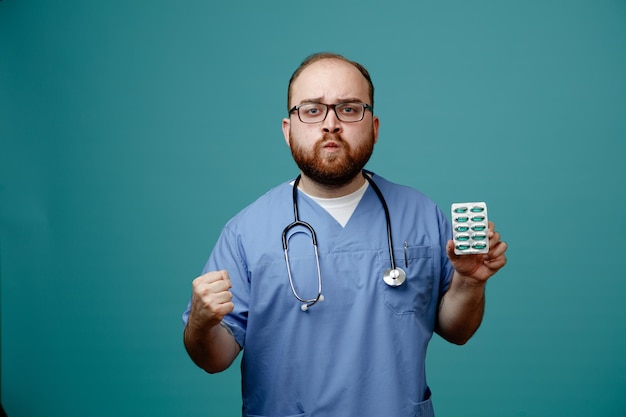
479,245
462,237
479,227
462,246
478,218
461,228
460,210
461,219
479,236
477,209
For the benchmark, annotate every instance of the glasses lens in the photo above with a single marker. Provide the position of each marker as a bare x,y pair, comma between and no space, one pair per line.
350,112
312,112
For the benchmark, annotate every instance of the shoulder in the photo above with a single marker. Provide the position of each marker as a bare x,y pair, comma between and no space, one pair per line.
402,193
275,201
409,201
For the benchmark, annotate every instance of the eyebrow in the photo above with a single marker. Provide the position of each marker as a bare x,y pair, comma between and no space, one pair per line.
341,100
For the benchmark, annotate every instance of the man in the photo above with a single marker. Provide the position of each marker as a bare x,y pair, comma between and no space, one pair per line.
323,334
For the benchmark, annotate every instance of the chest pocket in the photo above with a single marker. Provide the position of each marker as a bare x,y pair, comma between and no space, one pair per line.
415,295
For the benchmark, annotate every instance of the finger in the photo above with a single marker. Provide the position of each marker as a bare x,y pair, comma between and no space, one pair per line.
223,309
211,277
219,298
497,250
494,238
225,276
496,263
497,253
215,287
215,303
204,293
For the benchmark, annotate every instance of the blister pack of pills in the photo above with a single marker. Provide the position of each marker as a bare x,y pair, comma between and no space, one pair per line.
469,228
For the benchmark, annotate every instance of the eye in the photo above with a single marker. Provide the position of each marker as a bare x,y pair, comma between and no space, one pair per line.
349,108
312,109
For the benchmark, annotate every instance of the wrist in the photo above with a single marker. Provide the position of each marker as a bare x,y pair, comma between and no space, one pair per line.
468,283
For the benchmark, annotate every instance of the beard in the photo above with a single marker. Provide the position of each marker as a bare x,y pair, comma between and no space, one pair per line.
336,169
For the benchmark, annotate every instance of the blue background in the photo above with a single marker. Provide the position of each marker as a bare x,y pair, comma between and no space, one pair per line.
131,131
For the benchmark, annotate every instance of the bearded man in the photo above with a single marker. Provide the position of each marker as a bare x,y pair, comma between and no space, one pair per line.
335,321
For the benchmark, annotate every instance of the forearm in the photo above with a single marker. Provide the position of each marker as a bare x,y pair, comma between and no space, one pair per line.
213,349
461,309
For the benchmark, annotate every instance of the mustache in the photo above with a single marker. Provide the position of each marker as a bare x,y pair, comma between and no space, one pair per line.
331,136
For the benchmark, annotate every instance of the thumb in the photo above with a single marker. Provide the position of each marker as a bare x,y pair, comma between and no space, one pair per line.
450,250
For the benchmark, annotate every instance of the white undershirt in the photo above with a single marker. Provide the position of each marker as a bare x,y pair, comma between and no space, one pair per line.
341,208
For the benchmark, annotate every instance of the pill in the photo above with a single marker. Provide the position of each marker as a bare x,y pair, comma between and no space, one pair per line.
479,236
478,218
462,246
460,210
477,209
461,219
462,237
478,227
479,245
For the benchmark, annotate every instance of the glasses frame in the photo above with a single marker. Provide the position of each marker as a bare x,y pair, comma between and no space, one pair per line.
334,107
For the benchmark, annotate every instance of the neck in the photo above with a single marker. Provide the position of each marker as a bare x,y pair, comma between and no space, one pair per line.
316,189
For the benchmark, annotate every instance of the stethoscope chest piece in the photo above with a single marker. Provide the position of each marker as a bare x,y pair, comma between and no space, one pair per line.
394,277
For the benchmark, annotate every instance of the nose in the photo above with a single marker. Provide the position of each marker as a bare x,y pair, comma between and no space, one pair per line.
331,123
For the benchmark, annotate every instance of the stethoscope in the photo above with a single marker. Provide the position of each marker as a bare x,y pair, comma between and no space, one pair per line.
393,276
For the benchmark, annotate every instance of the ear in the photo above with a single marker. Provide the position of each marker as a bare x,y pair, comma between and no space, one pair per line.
286,127
375,125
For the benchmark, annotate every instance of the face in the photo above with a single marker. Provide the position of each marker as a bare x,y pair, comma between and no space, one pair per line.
331,152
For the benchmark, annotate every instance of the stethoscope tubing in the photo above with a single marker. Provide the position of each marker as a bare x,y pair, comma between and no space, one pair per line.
393,277
387,217
297,222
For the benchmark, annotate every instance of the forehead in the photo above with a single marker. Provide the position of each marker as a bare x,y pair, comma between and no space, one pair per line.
330,81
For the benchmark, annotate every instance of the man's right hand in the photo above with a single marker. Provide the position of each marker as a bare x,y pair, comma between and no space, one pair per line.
211,299
211,346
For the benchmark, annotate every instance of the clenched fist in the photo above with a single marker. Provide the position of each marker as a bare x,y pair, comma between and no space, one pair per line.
211,299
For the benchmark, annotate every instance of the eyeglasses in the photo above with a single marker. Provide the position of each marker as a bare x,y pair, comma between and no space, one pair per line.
317,112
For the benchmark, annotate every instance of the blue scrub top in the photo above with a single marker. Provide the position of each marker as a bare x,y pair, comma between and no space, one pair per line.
362,350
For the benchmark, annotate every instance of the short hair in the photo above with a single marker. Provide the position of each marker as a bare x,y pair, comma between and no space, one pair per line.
329,55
